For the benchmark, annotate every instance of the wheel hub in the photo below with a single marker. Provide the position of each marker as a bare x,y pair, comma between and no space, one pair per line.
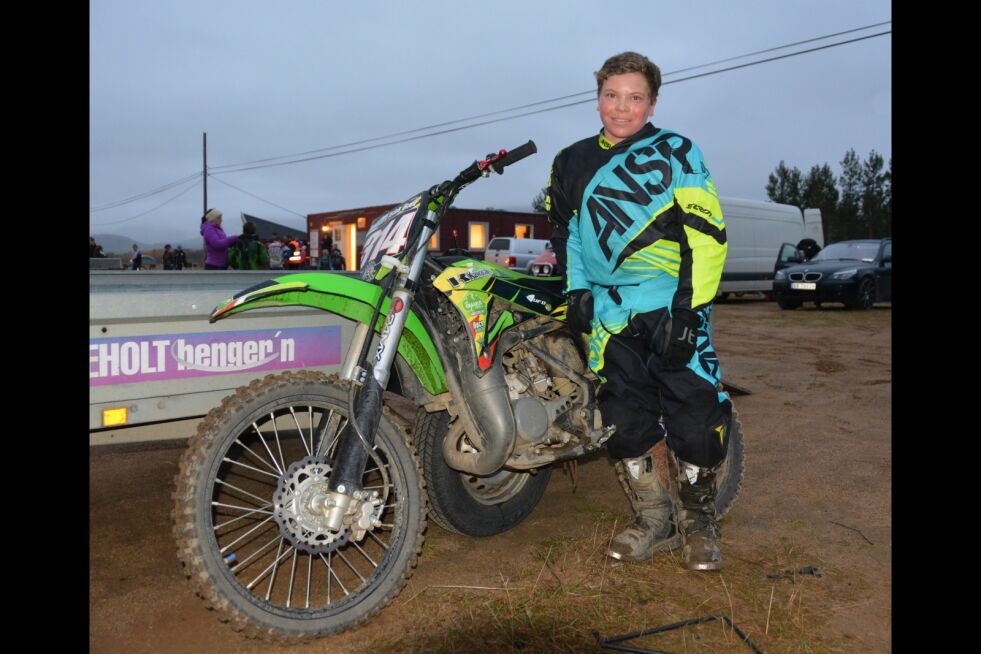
299,507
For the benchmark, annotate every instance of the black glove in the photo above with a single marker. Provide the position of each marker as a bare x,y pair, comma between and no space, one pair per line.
579,312
675,341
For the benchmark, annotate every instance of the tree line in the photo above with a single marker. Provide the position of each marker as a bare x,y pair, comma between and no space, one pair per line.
855,204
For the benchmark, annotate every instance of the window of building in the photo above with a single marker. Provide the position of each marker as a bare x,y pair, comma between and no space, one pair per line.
477,235
524,231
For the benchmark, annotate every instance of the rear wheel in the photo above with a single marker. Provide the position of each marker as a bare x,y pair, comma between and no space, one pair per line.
465,503
249,512
729,476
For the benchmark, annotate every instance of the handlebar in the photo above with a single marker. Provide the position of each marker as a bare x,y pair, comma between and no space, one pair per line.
516,155
494,162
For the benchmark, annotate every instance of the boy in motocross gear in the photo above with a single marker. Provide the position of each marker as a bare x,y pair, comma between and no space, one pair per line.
638,226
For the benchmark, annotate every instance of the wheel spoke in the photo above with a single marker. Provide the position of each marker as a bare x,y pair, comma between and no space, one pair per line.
310,417
270,567
244,492
272,578
300,429
353,569
244,515
244,562
309,580
331,573
328,423
279,447
365,555
265,445
250,531
239,463
289,591
274,465
379,540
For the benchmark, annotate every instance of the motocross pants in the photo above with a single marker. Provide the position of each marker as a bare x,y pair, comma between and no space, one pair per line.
642,397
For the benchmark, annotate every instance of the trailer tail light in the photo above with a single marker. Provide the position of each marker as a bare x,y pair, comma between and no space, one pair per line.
114,417
512,262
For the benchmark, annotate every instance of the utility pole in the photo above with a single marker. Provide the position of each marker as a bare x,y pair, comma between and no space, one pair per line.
204,174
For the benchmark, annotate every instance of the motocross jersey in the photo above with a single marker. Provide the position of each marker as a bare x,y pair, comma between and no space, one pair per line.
643,222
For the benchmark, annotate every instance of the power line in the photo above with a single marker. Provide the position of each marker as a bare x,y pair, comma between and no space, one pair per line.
244,166
547,109
781,47
125,220
141,196
224,167
218,179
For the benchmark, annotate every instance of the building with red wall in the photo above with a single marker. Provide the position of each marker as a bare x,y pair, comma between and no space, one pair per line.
468,229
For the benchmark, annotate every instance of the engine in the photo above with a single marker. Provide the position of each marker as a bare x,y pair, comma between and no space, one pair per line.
549,408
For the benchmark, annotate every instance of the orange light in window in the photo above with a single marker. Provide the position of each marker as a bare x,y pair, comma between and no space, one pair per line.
362,222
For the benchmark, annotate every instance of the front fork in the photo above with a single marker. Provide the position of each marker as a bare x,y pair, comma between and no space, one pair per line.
345,494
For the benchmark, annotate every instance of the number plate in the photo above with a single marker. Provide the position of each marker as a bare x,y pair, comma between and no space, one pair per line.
804,286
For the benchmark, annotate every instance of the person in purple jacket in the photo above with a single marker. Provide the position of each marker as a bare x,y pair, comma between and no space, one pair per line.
216,242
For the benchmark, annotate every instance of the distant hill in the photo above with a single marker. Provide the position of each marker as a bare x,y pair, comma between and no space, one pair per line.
117,244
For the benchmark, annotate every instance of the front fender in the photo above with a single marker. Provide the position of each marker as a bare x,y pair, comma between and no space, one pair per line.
345,296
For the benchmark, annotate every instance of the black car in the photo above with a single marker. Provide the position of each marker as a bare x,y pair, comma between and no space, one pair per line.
857,273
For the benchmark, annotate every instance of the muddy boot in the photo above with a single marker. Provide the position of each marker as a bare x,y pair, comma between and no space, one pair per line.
696,518
653,529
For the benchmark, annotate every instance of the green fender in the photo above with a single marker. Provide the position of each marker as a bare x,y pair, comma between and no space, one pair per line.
349,297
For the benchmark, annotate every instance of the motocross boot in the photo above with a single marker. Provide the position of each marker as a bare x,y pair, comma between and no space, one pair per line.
644,479
696,492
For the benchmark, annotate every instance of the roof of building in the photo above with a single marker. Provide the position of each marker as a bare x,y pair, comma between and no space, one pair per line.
264,229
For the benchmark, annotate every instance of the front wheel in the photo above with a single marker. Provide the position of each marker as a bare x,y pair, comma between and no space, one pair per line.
249,519
865,296
785,303
468,504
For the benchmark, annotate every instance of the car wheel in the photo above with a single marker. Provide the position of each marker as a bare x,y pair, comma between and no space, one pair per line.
786,303
865,297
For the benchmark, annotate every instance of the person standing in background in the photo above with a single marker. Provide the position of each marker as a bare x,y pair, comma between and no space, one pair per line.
216,242
168,258
247,253
137,260
180,258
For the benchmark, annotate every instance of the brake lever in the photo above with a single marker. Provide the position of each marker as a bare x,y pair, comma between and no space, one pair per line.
487,165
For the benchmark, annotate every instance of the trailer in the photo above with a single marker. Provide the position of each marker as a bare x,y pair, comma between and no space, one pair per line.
154,358
755,231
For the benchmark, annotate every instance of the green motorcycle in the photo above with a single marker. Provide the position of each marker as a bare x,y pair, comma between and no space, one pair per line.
302,499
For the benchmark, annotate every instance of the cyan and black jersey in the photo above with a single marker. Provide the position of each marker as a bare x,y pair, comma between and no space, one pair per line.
643,223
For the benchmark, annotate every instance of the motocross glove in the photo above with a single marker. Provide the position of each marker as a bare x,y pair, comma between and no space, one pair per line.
579,312
675,341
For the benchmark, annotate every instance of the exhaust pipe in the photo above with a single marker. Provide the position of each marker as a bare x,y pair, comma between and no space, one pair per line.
485,435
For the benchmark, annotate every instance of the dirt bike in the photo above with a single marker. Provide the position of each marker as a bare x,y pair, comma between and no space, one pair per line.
302,499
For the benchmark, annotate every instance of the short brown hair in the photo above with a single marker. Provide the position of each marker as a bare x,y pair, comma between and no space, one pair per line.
630,62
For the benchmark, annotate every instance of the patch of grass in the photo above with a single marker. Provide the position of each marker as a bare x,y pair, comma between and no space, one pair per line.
555,604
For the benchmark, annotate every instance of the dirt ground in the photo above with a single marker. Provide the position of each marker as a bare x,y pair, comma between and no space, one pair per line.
816,497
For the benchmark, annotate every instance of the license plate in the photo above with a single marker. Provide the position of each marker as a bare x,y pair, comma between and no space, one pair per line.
804,286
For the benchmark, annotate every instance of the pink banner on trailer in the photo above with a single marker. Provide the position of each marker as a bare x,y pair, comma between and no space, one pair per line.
178,356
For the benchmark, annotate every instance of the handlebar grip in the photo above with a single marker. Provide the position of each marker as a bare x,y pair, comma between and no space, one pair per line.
517,154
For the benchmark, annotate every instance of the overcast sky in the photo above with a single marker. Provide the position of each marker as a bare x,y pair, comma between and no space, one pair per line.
268,80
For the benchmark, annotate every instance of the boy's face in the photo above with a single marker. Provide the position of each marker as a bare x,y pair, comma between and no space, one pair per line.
624,105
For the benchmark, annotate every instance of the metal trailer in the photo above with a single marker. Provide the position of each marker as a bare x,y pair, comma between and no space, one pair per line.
156,365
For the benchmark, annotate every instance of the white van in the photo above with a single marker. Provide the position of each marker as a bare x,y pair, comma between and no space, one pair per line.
515,253
755,231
